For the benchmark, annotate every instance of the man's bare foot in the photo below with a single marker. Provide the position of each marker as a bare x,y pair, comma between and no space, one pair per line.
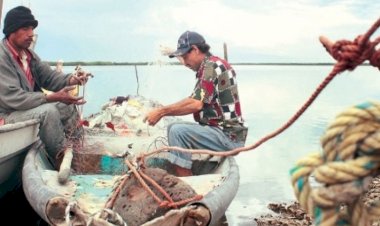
182,172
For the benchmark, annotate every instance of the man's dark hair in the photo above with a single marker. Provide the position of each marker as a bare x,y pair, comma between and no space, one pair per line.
204,48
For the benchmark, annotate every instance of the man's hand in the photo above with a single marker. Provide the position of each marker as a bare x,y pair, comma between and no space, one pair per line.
79,77
153,117
64,96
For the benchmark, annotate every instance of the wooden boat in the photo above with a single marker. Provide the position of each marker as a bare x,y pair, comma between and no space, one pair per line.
15,140
103,190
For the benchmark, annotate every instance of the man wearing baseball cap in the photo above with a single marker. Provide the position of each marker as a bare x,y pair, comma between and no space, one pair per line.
23,75
214,103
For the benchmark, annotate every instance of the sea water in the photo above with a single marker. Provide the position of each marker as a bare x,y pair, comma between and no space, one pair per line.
270,95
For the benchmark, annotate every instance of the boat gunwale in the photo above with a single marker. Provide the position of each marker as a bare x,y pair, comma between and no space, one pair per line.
18,125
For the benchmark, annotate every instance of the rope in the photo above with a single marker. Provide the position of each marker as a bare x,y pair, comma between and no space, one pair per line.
106,217
351,156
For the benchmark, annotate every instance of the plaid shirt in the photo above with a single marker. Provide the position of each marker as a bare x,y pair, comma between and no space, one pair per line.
216,87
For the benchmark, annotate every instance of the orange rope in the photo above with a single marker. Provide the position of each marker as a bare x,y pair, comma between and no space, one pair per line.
185,201
159,188
142,182
112,200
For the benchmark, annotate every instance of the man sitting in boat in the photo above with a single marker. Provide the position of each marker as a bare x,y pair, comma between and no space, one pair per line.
23,75
214,103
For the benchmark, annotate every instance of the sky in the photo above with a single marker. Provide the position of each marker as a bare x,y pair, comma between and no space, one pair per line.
255,31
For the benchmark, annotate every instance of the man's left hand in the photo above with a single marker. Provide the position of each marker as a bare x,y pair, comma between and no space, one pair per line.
64,96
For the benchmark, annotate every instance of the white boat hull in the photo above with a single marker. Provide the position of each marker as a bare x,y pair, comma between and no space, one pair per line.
15,140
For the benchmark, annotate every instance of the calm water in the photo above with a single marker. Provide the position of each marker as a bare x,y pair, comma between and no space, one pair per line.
270,96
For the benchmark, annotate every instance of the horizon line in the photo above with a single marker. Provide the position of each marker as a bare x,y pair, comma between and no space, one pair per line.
113,63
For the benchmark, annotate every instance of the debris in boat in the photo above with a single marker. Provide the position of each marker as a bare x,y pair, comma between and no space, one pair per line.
286,215
292,214
136,206
84,123
111,126
372,196
106,217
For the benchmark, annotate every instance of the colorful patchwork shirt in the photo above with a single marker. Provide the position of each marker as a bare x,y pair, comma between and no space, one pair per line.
216,87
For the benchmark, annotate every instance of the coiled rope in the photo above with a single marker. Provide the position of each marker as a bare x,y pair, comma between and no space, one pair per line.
330,185
341,174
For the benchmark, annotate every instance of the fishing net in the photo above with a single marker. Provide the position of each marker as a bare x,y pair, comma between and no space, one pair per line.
116,129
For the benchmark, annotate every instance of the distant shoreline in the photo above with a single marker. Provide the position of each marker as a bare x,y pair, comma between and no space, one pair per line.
109,63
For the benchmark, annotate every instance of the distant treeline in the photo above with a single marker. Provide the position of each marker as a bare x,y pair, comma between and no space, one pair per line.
98,63
110,63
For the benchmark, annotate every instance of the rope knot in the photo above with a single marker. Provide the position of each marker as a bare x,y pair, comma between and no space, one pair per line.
347,52
375,59
350,54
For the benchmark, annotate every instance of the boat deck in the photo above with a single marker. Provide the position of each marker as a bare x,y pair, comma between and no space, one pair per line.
91,192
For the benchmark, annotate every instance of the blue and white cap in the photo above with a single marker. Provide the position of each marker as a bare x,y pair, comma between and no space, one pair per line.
185,41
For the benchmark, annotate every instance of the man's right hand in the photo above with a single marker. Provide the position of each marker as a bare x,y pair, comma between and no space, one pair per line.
153,117
64,96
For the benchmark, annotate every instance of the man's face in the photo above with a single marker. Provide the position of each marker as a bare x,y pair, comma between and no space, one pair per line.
193,58
22,38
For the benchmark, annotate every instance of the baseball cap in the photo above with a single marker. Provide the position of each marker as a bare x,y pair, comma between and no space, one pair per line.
185,41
